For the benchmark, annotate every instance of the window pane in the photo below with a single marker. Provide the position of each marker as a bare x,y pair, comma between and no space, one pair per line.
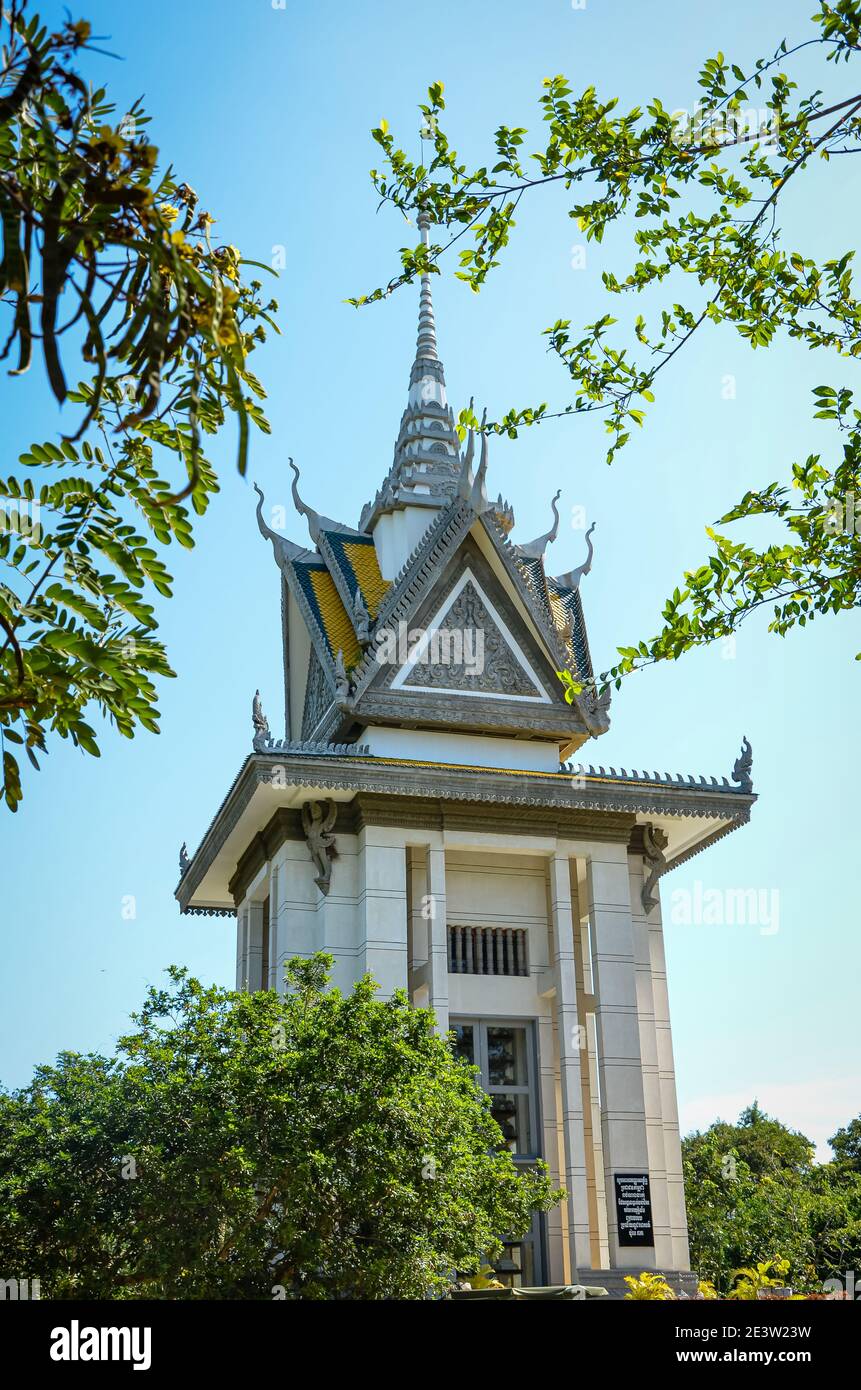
511,1113
506,1057
464,1042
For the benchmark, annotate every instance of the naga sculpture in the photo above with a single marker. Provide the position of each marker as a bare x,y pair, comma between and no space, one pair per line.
317,821
742,767
259,720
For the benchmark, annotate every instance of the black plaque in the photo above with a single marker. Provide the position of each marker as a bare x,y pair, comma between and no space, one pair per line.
633,1209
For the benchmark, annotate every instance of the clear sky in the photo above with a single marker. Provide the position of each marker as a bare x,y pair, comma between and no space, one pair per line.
266,112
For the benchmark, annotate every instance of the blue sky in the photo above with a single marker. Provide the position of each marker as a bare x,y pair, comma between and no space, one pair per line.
266,112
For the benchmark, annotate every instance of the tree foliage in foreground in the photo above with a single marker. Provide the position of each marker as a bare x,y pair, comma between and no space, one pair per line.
239,1145
107,264
703,198
754,1193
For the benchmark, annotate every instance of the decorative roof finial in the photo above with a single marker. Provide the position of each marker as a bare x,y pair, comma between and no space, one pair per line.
301,507
426,464
260,722
464,482
316,522
342,681
571,580
743,766
426,341
534,550
282,549
479,499
361,619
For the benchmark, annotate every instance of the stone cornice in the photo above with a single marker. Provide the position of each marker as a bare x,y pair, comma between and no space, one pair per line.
587,791
472,712
428,813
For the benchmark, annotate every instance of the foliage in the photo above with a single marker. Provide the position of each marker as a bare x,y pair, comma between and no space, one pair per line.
702,197
846,1144
164,321
239,1145
485,1278
648,1286
706,1289
752,1280
754,1194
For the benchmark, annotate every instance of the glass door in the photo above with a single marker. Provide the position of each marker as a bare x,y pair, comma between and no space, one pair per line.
505,1056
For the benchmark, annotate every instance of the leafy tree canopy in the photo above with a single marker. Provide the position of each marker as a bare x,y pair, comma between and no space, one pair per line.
703,195
108,264
754,1193
308,1145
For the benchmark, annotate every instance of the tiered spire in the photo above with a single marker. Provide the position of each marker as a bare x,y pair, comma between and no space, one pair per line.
426,463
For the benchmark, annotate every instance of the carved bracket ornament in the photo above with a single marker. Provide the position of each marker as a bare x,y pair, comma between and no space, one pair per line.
318,817
655,842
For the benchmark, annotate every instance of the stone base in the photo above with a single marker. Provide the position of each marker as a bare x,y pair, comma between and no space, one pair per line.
613,1280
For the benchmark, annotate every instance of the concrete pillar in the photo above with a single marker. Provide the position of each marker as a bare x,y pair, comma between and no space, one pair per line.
681,1257
559,1270
275,974
438,936
294,922
651,1072
419,935
255,946
569,1042
623,1111
241,947
383,910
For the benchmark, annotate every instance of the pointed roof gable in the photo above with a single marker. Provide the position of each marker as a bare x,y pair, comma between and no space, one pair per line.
533,622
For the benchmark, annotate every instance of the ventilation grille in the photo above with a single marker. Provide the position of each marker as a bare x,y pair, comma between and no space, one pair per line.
487,951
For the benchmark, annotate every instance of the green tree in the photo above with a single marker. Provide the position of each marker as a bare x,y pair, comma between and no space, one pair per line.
702,197
308,1145
107,262
737,1217
846,1144
754,1193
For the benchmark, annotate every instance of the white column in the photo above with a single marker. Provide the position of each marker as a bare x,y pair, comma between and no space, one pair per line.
383,909
569,1041
651,1073
255,945
297,931
275,979
241,947
558,1244
419,936
438,934
623,1112
681,1257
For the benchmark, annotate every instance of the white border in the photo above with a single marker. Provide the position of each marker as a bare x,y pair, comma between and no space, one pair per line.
399,682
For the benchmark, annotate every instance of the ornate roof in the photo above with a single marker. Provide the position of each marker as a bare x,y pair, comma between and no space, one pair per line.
346,602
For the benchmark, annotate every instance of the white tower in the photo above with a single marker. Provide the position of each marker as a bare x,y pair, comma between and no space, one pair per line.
419,821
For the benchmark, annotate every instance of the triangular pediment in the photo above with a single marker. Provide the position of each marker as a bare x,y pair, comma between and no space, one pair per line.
467,648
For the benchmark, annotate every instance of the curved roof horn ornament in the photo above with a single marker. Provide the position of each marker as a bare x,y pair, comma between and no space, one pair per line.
316,522
571,580
479,499
283,550
534,550
464,482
